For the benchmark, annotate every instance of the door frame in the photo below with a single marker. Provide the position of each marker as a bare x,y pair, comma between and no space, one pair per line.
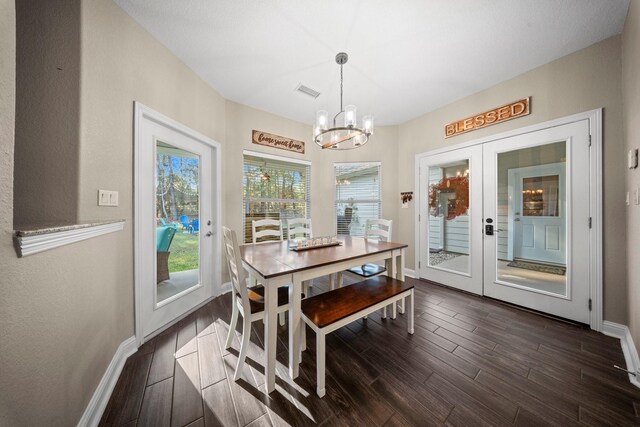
143,112
596,196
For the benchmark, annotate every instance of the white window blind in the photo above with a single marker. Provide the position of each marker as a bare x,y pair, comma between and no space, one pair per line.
274,189
358,196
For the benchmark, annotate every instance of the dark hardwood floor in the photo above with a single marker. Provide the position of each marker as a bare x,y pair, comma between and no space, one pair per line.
471,361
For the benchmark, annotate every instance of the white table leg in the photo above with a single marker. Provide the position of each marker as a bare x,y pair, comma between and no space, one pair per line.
391,272
410,319
332,281
400,275
270,329
295,325
320,363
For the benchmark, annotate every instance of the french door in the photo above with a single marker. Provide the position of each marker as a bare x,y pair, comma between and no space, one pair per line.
528,206
177,211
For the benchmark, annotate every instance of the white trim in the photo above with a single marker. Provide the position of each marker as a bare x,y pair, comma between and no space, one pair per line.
622,332
98,403
275,157
225,287
410,273
596,210
29,245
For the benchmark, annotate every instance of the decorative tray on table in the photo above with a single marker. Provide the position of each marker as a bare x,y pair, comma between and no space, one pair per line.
313,243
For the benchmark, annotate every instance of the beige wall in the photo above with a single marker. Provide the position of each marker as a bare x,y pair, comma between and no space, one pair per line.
47,112
631,112
582,81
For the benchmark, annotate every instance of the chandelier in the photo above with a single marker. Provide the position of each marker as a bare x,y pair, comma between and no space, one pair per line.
348,136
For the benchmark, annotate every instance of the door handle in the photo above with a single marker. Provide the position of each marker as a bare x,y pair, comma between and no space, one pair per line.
209,234
516,219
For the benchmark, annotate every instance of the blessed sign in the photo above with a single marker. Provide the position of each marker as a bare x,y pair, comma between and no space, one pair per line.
275,141
501,114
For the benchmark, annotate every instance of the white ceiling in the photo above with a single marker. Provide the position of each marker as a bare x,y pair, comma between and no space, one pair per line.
406,57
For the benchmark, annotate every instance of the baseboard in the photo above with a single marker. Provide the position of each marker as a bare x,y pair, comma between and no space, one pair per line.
98,402
226,287
628,348
410,273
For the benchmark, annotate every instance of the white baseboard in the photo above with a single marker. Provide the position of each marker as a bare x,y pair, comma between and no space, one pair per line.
98,402
628,348
410,273
226,287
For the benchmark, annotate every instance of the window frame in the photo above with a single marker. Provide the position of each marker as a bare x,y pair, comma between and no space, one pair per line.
266,157
336,201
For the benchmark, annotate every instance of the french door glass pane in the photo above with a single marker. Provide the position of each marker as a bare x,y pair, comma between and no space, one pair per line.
177,220
448,231
531,218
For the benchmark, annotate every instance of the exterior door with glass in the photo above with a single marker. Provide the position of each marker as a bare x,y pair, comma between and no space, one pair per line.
537,196
451,217
177,236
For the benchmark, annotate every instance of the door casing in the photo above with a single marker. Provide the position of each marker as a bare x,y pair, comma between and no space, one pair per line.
595,211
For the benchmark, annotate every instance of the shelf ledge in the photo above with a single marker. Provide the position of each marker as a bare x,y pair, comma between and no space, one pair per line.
29,242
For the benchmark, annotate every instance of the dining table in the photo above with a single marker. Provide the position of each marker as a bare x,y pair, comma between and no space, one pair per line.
276,264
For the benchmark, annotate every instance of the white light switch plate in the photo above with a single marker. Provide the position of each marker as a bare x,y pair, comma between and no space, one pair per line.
107,198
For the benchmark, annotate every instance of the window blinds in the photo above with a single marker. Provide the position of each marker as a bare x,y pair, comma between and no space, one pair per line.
274,189
358,196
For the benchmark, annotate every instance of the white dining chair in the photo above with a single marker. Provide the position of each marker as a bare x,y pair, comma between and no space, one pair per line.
375,229
300,227
246,302
270,230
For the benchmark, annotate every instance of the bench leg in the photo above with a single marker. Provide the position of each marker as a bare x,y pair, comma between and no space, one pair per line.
306,287
384,312
410,318
394,311
320,363
332,282
401,308
339,279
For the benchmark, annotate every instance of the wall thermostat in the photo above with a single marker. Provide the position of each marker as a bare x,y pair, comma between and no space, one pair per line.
633,158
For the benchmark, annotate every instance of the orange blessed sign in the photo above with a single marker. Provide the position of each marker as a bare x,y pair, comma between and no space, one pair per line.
501,114
275,141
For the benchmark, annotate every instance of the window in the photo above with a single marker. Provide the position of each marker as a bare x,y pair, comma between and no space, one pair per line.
274,187
357,196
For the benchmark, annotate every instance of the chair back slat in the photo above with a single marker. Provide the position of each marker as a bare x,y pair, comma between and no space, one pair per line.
271,230
236,270
299,227
379,229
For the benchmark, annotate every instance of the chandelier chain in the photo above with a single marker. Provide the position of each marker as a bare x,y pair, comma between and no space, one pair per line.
341,109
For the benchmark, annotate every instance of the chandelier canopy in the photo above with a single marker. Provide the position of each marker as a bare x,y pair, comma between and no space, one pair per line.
349,135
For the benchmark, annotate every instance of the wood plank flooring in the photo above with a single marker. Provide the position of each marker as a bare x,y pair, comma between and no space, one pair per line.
471,361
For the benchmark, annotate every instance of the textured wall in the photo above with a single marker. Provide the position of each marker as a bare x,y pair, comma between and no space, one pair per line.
587,79
631,111
47,112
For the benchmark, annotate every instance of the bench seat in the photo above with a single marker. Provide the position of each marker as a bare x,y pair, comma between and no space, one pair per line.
332,310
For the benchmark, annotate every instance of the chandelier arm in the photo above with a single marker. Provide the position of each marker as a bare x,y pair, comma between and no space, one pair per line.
338,141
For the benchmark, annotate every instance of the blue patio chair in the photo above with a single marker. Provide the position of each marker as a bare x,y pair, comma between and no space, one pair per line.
195,226
184,220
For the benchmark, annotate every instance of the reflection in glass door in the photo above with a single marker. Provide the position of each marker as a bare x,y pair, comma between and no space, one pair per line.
451,209
177,220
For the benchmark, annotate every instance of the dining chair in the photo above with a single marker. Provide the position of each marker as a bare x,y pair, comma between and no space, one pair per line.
375,229
246,302
271,230
300,227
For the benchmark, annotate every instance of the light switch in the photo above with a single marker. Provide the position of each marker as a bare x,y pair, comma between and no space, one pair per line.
107,198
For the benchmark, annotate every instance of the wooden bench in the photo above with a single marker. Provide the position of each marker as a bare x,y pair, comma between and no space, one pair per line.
332,310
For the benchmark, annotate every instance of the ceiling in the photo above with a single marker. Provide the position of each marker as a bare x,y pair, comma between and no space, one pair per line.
406,58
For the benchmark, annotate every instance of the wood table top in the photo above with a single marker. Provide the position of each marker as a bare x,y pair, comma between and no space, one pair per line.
276,259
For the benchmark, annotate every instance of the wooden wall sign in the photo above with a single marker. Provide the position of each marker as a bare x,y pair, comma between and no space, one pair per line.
275,141
497,115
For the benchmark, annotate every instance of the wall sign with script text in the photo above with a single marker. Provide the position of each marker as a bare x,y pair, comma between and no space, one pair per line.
497,115
275,141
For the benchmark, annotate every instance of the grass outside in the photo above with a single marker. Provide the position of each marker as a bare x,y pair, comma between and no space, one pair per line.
184,252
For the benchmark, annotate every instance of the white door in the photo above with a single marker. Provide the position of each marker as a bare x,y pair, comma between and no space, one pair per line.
177,210
539,223
554,220
451,218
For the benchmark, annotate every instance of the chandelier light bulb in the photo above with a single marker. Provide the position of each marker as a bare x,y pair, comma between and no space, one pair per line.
350,116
